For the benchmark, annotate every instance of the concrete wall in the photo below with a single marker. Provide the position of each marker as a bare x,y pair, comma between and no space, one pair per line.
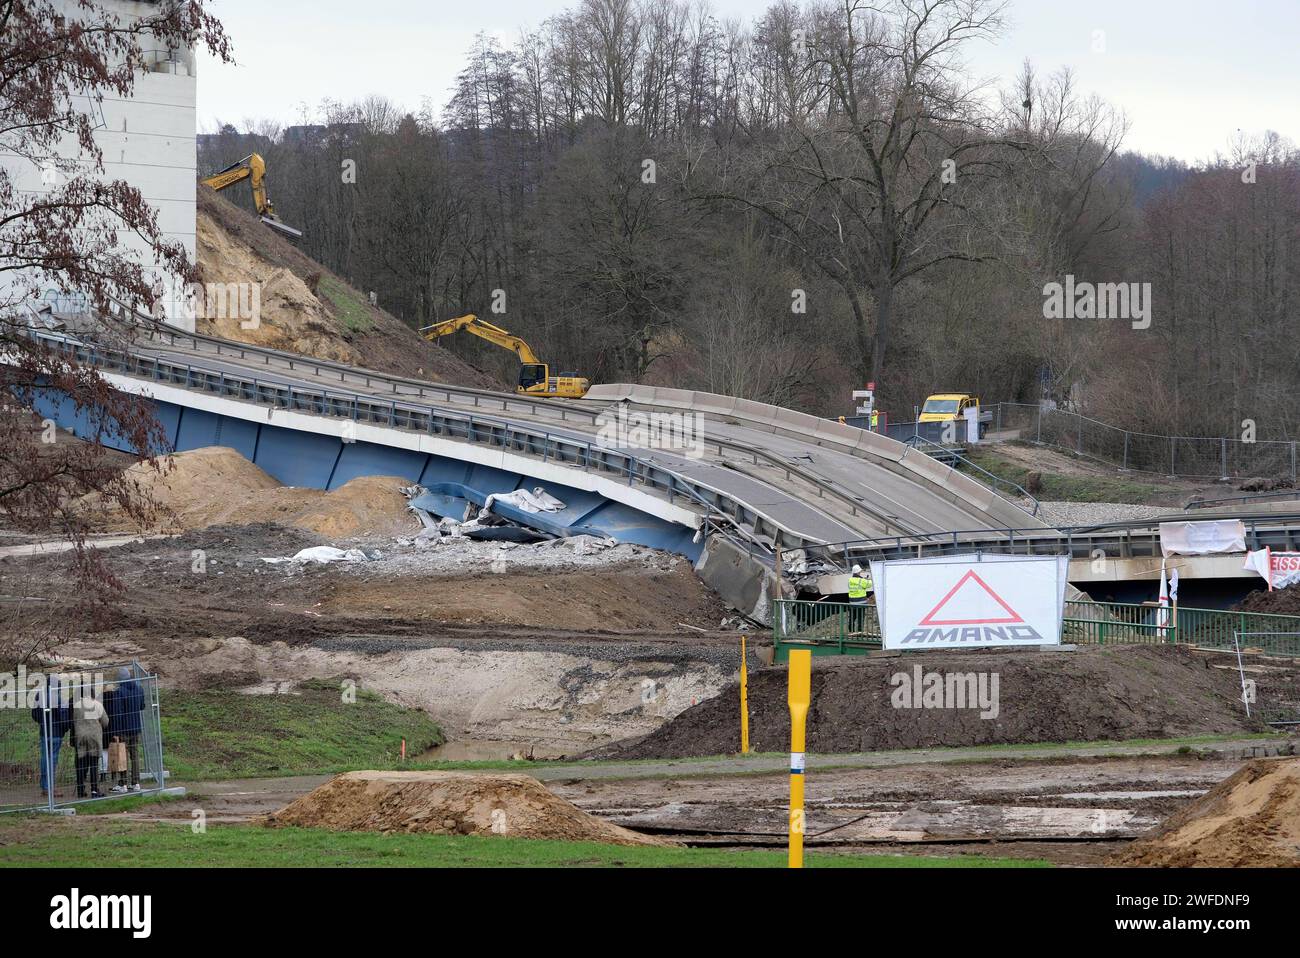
147,140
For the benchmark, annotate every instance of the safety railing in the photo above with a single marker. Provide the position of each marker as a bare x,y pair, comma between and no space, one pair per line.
564,410
1250,499
1003,487
827,628
1132,539
838,628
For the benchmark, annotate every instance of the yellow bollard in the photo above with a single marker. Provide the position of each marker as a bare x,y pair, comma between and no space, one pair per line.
744,699
799,696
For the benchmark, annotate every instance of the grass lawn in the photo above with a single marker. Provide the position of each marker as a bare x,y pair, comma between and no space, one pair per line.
213,735
31,841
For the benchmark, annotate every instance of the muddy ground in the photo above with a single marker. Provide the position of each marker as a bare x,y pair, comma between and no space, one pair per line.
215,583
547,649
551,651
1068,809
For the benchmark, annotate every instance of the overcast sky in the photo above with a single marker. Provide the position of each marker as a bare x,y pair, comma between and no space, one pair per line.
1188,73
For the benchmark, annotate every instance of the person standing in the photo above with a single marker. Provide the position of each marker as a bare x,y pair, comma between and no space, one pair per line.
51,711
125,725
89,720
860,589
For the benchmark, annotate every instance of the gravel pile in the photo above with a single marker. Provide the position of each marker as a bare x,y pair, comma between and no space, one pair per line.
1094,513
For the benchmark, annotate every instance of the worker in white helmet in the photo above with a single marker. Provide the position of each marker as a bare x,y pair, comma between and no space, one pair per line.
860,589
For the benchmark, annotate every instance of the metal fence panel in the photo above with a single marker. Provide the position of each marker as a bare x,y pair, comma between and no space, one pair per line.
53,746
832,628
1270,689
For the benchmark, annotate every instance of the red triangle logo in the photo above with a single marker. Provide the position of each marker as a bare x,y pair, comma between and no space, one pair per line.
1012,615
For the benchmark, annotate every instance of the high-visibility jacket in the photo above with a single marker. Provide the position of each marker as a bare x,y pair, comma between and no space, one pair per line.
859,587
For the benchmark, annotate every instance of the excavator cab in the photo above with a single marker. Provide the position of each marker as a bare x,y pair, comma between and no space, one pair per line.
532,374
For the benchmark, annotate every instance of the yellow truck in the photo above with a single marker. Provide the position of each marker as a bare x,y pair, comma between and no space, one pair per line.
949,407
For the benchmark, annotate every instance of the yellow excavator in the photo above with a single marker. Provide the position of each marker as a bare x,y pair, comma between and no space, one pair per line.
253,169
535,377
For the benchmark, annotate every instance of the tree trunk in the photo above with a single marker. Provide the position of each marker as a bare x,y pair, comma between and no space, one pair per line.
884,314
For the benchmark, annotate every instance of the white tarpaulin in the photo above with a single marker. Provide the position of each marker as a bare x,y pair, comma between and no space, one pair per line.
1279,569
1202,538
970,601
536,501
324,554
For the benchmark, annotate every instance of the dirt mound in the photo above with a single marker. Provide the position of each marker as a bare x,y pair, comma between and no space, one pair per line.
1119,692
1251,819
307,309
633,598
450,803
1278,602
217,486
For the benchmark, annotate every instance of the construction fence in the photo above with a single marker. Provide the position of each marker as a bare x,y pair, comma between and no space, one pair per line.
837,628
1203,457
1269,692
79,736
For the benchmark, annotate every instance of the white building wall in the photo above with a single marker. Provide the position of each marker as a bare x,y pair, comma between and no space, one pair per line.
147,140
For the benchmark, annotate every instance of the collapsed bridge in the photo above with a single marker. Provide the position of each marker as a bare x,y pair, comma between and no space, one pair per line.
749,478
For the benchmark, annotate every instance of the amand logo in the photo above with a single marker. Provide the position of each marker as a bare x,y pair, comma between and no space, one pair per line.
972,612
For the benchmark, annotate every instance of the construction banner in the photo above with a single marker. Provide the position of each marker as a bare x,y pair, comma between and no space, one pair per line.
968,602
1279,569
1202,538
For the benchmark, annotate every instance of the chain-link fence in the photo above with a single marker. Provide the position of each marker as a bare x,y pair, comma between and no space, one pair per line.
69,737
1203,457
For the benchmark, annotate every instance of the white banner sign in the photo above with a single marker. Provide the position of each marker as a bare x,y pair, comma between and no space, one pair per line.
962,602
1202,538
1279,569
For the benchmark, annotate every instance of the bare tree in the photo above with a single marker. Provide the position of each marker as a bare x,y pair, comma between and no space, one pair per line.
70,234
877,171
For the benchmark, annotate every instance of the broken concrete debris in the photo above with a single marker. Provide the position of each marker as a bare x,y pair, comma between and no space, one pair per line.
455,517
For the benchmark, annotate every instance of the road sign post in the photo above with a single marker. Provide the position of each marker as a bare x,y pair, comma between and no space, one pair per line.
799,695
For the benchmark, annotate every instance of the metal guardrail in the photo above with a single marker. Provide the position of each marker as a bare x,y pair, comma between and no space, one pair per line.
837,628
1283,494
1133,539
920,442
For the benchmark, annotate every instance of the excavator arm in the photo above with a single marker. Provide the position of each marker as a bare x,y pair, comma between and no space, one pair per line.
483,330
253,169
